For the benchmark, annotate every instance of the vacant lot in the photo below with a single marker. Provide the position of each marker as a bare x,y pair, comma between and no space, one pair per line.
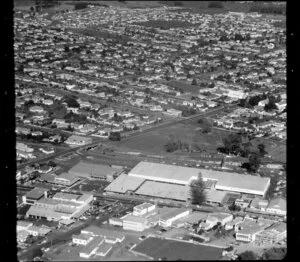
153,142
174,250
279,153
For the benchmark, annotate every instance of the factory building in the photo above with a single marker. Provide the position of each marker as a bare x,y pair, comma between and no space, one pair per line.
173,182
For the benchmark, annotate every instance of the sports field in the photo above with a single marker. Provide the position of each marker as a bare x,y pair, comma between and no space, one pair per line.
175,250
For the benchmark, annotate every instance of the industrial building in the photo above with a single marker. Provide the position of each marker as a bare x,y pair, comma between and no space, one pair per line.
173,182
34,195
94,171
277,206
65,179
271,235
247,230
63,206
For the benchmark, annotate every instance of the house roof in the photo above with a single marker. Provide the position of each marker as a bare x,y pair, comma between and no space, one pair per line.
36,193
98,231
103,248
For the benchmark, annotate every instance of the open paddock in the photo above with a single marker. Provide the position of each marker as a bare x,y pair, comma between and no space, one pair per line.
153,142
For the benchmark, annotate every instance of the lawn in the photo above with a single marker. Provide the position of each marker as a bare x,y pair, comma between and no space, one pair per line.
175,250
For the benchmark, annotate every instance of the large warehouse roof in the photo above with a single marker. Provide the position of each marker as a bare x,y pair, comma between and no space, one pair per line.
124,183
182,175
164,190
164,173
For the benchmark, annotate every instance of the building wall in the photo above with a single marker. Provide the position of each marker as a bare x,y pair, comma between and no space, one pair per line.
79,241
128,225
244,237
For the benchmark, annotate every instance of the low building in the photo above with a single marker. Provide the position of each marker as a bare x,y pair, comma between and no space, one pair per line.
259,204
91,248
62,206
272,235
242,202
135,223
65,179
38,231
34,195
222,218
168,216
103,250
247,230
232,224
277,206
173,112
94,171
75,140
110,236
143,209
115,221
81,239
22,236
23,225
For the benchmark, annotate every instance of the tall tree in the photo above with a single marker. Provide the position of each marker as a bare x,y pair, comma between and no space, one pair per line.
197,191
262,149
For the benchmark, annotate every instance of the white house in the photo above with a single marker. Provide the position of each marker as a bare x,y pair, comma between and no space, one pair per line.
82,239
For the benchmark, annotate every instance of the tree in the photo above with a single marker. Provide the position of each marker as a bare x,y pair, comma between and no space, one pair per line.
206,126
253,162
271,105
232,143
172,146
115,136
71,102
32,9
197,191
261,148
67,49
247,255
194,82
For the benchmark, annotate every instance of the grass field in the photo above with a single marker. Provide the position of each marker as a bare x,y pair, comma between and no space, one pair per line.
153,142
278,153
175,250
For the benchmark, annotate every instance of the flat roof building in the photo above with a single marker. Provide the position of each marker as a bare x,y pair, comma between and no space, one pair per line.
110,236
184,175
66,179
34,195
94,171
124,183
75,140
